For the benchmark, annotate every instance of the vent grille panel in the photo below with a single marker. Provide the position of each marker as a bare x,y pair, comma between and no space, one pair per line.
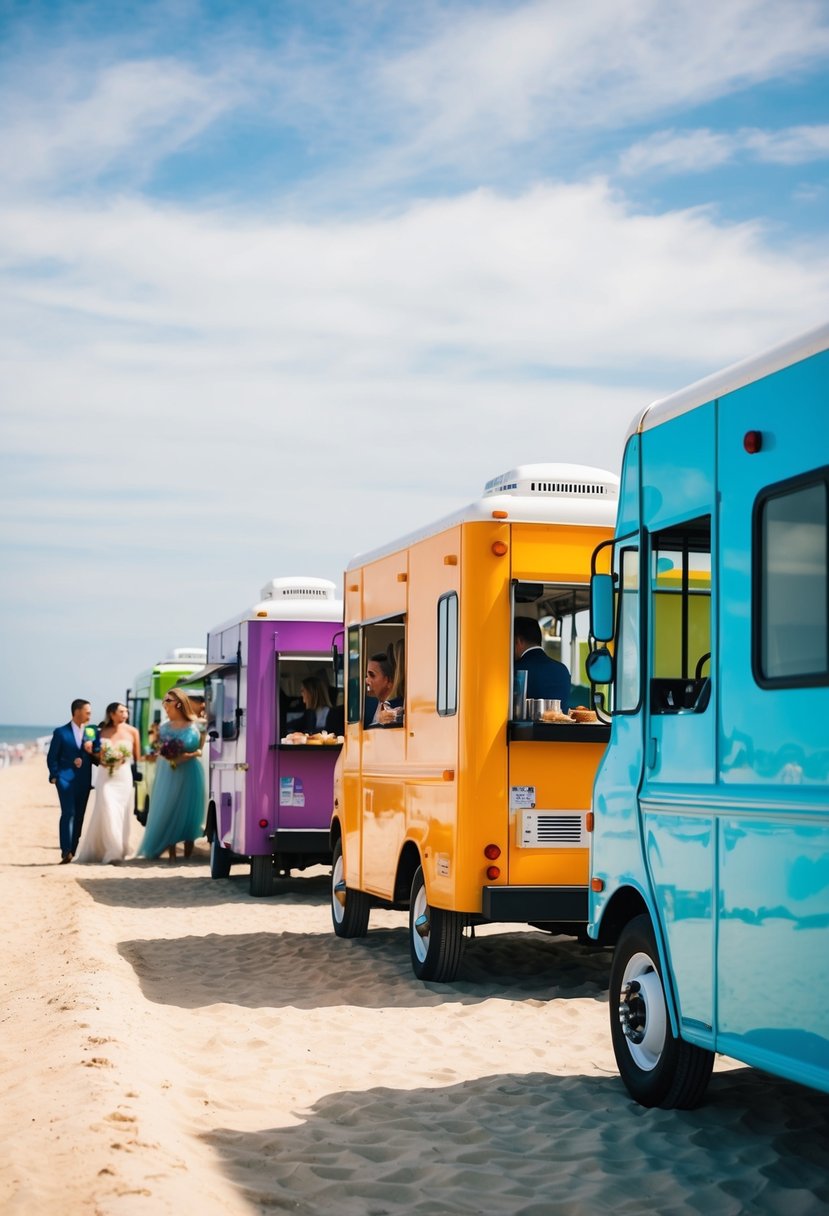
552,830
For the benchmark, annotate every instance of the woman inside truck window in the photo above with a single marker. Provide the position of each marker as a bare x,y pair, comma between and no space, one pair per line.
380,698
319,713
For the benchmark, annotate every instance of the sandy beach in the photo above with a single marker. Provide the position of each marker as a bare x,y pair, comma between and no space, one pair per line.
170,1044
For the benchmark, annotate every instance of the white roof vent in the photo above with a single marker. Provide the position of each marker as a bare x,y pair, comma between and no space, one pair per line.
554,481
187,654
321,589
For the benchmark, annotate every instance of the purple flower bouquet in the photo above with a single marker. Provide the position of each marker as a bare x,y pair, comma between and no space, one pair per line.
172,750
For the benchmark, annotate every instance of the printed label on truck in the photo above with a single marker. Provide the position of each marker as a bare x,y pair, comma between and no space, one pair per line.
522,797
291,792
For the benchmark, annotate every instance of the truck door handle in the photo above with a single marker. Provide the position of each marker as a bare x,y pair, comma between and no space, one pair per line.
652,752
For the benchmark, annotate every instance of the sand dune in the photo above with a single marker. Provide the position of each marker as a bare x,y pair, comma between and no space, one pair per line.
171,1044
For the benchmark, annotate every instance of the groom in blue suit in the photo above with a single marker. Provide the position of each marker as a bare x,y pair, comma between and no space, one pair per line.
75,747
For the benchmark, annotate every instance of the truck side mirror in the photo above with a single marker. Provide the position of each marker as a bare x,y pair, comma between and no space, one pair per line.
599,666
602,597
337,655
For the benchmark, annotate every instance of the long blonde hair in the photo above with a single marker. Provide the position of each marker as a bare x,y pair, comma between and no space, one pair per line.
184,703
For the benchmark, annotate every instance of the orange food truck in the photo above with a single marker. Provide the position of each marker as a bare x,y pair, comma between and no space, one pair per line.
462,800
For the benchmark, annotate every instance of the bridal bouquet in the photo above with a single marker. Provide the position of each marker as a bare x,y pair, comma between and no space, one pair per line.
172,750
113,757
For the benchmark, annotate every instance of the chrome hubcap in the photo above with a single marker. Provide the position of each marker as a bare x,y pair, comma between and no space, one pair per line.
642,1013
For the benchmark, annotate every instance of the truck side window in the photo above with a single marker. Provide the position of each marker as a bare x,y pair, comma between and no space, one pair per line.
680,605
791,596
627,690
354,685
447,655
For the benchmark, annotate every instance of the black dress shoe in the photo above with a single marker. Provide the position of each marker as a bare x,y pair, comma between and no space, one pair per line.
65,857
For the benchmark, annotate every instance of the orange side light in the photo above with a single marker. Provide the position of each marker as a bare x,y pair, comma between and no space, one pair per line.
500,515
596,884
499,548
588,822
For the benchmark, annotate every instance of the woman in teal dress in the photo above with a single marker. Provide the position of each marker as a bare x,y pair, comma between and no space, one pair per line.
177,808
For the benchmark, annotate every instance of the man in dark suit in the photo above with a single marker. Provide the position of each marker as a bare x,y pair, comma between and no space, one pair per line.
379,701
72,752
547,679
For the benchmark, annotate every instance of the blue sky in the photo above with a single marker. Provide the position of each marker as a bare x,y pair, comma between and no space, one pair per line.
282,281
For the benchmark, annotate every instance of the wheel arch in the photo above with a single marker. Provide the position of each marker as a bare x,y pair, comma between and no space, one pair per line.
625,905
407,864
335,831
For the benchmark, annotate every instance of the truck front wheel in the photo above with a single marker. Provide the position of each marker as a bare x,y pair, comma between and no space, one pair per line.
658,1068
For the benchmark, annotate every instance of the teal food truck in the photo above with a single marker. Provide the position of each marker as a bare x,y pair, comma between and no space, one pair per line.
144,701
710,846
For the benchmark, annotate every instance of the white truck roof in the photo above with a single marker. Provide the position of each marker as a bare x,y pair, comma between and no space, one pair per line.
574,494
730,379
293,598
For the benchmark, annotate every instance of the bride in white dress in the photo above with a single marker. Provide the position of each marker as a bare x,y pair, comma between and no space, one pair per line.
106,832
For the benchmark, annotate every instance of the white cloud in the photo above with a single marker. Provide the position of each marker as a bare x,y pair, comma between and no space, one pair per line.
535,69
678,152
791,146
558,277
698,151
128,116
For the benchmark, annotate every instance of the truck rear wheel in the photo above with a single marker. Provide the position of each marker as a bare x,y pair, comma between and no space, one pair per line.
435,936
261,875
658,1068
350,909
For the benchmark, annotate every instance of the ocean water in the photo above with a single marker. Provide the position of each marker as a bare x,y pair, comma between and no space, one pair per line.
23,734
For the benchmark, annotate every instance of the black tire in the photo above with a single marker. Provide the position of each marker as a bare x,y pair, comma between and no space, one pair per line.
219,858
658,1068
261,875
436,937
350,909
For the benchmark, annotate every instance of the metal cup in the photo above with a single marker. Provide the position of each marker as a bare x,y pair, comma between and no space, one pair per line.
537,706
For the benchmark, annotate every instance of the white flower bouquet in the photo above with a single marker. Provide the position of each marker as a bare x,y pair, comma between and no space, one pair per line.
113,757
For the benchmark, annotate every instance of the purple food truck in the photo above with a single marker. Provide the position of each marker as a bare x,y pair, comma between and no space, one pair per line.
270,801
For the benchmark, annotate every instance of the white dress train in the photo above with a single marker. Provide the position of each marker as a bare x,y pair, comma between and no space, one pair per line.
106,832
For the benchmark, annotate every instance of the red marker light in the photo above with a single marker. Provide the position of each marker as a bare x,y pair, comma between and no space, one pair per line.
493,872
263,823
492,852
753,442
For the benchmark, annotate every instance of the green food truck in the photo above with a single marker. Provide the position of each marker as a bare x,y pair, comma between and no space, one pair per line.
144,701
